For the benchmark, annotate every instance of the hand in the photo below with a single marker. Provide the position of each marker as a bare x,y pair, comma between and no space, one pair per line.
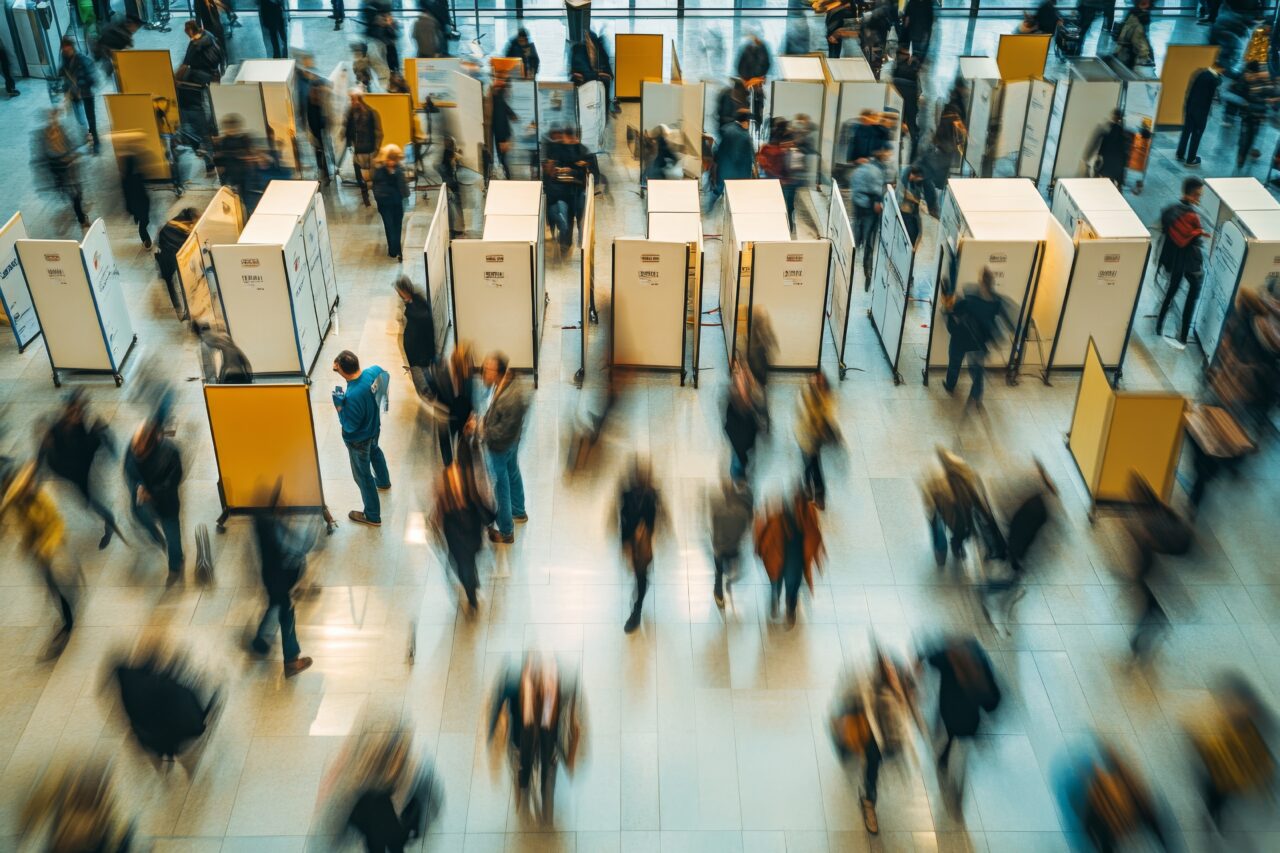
141,496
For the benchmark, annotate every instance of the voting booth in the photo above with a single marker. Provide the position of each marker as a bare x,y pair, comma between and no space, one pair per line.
497,282
1001,224
844,254
801,89
891,282
587,275
265,470
1093,94
15,298
276,284
852,88
1139,104
148,72
674,215
522,98
435,260
1021,56
1008,120
636,57
1245,220
1115,434
79,303
132,119
676,111
221,222
275,79
765,273
1112,247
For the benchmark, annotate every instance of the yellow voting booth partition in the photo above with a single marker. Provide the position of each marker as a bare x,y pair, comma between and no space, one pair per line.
1022,57
253,459
148,72
134,130
1115,434
395,112
637,57
1181,62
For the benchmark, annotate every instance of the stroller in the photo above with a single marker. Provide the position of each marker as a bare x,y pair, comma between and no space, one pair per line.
1067,38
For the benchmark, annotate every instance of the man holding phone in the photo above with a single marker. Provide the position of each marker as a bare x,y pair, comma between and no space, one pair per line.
360,408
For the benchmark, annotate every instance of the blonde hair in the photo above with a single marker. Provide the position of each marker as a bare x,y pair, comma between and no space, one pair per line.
389,151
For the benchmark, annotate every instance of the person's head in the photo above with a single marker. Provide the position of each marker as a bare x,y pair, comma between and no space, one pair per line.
232,124
1192,189
742,117
192,28
145,439
187,214
1117,116
347,365
357,97
867,117
572,134
132,23
777,130
522,37
359,49
390,155
1142,5
68,46
987,282
494,369
405,289
915,173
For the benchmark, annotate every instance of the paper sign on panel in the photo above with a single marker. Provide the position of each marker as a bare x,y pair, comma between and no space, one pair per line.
493,297
649,283
13,286
257,308
840,286
1104,288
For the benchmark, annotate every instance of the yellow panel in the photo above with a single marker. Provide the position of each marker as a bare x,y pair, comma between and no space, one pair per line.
396,114
506,66
1146,436
1021,57
1181,61
250,458
1092,418
638,57
148,72
133,127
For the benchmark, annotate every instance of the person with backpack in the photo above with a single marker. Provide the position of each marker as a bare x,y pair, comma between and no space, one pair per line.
974,321
967,688
1113,808
222,362
639,508
788,540
1182,256
1132,48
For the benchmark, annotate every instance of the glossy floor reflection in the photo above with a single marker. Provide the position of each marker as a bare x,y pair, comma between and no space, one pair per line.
706,731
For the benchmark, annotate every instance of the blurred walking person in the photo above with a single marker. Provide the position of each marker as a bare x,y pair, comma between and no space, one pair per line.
638,509
1182,256
274,18
1114,809
79,79
867,188
360,406
514,709
731,513
460,520
282,558
26,505
417,331
744,415
974,322
382,790
137,200
319,95
452,386
1109,151
1233,760
1156,530
816,428
69,448
363,132
74,809
967,688
169,703
1030,514
774,161
522,47
499,431
153,470
956,503
391,191
173,235
788,541
53,153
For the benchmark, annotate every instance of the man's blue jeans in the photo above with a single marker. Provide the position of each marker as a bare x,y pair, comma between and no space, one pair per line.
282,613
164,530
369,467
508,487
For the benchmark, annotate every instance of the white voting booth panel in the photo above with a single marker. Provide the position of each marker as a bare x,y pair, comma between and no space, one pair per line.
679,106
220,223
1246,255
435,257
983,76
674,216
755,211
302,199
891,281
790,99
840,280
76,294
244,100
493,296
789,284
276,79
1025,109
14,295
650,290
1093,94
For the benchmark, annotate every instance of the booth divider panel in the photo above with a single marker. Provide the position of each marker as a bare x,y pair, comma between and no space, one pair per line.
1052,287
840,281
311,313
895,257
1036,131
429,77
251,459
660,103
591,115
587,273
1013,118
13,284
340,81
1089,107
257,307
395,112
148,72
195,285
1226,263
436,257
1181,62
133,119
1104,289
982,92
693,102
557,103
108,294
244,100
637,57
730,278
465,120
1020,56
789,99
649,284
493,290
1091,418
789,283
60,291
1146,437
1012,263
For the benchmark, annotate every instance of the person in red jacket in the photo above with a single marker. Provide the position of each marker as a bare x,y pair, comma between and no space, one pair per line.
1182,256
774,161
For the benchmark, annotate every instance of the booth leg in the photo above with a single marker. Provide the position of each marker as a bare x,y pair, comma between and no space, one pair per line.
682,375
118,378
897,378
577,378
844,370
57,380
221,524
329,524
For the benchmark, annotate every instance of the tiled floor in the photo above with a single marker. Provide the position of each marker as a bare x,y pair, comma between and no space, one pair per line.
705,731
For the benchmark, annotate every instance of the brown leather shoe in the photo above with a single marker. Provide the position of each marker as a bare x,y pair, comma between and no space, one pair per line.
295,666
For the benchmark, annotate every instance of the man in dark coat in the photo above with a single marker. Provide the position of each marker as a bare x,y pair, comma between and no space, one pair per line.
734,155
363,132
153,470
282,566
522,47
137,201
967,687
170,239
275,27
973,323
1111,149
69,449
418,336
76,71
917,26
1195,113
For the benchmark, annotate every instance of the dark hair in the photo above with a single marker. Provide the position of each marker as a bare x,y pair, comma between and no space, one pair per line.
68,41
500,359
192,26
522,32
404,284
1191,185
188,214
347,362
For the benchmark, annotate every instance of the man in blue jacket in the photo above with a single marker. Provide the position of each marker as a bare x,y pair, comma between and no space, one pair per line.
359,412
76,71
735,154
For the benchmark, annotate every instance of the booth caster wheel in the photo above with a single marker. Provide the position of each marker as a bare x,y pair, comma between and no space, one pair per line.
897,378
682,377
220,527
57,380
595,317
119,380
843,371
577,378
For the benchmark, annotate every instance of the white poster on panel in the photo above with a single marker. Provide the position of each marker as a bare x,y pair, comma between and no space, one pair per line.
434,81
1140,101
789,283
1104,289
104,276
591,115
649,284
894,259
256,306
1039,110
13,286
557,105
1011,265
791,99
60,292
1089,107
435,254
1225,265
466,120
493,297
840,286
308,301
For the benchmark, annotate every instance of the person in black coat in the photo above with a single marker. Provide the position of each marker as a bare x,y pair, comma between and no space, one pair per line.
137,201
168,242
462,520
742,418
638,511
390,189
452,383
967,687
69,449
153,470
754,60
906,79
522,47
917,26
79,80
500,118
418,335
1111,149
161,696
1195,113
973,323
275,27
282,562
